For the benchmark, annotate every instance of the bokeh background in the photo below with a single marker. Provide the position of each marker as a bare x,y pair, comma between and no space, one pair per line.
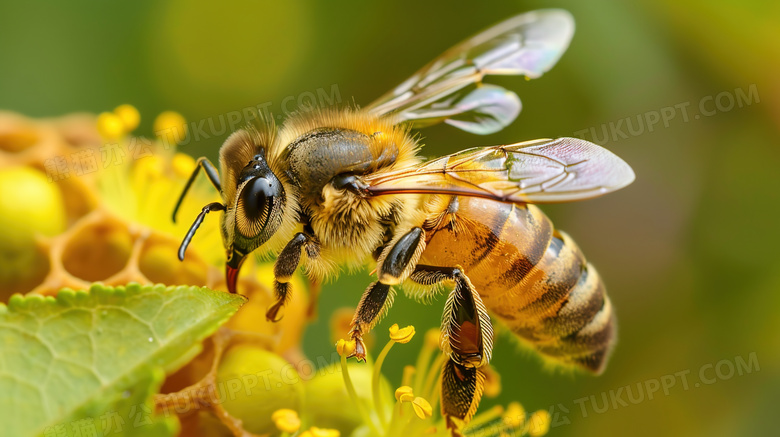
689,252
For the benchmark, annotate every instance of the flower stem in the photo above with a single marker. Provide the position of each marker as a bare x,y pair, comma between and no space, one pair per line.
375,383
353,394
423,360
432,376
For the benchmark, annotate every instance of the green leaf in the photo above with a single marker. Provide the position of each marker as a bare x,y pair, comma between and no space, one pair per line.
126,413
65,358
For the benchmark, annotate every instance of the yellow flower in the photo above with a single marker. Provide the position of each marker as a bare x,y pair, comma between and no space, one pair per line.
129,222
403,335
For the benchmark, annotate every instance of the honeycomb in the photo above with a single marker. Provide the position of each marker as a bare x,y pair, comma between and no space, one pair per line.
81,207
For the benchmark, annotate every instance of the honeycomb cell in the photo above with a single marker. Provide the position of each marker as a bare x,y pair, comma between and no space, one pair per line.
78,130
16,135
79,197
98,251
159,263
20,272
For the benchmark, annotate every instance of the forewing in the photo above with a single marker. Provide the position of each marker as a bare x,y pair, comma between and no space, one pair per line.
527,44
539,171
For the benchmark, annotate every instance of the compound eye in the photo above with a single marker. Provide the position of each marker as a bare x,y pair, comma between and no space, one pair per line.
254,205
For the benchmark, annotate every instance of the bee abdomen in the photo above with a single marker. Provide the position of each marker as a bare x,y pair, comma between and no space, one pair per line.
531,276
570,318
584,325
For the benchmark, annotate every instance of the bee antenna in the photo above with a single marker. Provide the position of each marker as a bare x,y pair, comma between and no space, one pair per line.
212,174
215,206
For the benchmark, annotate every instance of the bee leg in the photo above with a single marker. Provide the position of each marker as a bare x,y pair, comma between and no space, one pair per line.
399,259
393,267
373,305
461,391
211,173
467,338
285,266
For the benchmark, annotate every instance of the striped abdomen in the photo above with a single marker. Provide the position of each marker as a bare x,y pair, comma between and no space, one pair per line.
532,277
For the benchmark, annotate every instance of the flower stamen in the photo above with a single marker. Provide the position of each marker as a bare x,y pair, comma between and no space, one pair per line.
539,423
401,335
286,420
344,349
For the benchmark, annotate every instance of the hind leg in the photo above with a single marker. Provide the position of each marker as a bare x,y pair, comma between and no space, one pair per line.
467,339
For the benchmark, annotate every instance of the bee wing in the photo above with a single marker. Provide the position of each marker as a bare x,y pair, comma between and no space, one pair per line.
446,89
539,171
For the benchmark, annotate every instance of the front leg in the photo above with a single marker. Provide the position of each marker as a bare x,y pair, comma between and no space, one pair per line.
285,266
393,267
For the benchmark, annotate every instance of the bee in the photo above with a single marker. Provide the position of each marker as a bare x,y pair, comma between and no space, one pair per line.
332,188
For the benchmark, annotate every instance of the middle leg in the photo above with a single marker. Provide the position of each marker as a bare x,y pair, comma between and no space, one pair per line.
393,267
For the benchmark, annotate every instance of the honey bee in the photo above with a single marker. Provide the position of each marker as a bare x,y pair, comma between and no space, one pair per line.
346,187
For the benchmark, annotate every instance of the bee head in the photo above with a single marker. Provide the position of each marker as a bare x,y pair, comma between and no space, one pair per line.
259,208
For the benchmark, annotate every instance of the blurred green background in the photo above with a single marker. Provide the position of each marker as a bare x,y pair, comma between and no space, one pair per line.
689,252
